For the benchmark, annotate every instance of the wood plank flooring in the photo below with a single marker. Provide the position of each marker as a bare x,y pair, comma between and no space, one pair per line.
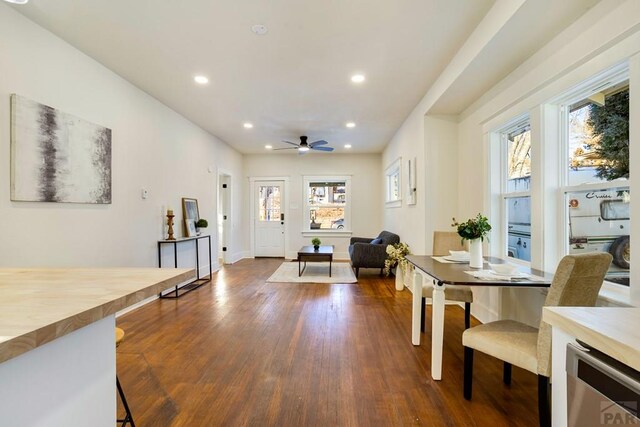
245,352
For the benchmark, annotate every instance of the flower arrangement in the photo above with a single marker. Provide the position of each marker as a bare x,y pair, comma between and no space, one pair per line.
315,242
474,228
397,253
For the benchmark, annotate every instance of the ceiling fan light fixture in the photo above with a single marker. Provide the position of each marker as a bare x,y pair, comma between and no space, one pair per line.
17,1
268,147
347,146
350,125
303,148
357,78
248,125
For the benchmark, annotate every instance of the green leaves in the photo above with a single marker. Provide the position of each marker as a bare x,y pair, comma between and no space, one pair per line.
474,228
611,126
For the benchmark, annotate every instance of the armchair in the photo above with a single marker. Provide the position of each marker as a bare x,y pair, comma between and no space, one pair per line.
365,254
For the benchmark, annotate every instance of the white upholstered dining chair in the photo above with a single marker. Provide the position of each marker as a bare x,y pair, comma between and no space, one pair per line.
576,282
443,242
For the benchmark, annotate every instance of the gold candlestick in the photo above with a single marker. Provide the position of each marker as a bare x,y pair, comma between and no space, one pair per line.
170,216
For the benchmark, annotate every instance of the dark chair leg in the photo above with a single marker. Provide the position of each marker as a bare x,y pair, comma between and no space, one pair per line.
423,314
506,373
544,406
357,271
382,271
128,418
467,315
468,372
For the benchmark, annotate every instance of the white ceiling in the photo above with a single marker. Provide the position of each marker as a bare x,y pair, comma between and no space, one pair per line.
533,25
295,80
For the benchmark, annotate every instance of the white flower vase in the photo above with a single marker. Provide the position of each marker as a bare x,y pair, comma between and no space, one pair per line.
399,278
475,253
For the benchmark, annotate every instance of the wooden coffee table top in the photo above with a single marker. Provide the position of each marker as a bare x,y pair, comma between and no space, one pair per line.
322,250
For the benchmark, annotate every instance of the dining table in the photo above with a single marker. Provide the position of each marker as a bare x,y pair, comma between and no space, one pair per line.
441,272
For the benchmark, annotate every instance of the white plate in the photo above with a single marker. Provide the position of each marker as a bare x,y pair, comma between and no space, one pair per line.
516,275
454,259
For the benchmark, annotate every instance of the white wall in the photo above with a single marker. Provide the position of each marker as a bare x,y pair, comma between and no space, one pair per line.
153,147
408,221
366,191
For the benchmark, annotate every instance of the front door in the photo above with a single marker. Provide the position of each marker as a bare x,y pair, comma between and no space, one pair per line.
269,219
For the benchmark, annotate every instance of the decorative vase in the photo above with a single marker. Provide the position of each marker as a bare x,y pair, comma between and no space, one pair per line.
316,247
399,278
475,253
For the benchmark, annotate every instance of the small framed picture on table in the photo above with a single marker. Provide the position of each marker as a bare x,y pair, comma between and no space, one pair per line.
191,213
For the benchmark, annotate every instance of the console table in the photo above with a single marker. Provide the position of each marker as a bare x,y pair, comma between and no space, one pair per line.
179,291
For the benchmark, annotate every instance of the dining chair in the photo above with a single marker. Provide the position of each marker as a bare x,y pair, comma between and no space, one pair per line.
576,283
443,242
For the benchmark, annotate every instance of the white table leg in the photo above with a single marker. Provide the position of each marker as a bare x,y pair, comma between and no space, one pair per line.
559,341
437,330
415,312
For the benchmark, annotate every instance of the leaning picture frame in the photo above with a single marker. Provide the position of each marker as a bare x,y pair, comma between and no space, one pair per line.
190,226
190,212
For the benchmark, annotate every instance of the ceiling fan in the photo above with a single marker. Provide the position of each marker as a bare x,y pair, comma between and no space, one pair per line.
304,146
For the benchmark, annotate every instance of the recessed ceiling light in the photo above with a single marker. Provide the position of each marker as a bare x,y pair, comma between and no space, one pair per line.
202,80
248,125
357,78
17,1
350,125
268,147
259,29
347,146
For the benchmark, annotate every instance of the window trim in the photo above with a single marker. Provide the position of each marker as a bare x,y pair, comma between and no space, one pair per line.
395,168
521,122
306,230
608,78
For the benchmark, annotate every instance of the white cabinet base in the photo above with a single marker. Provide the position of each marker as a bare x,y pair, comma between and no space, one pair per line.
69,381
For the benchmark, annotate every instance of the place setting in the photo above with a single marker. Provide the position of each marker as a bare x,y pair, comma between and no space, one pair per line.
503,271
454,257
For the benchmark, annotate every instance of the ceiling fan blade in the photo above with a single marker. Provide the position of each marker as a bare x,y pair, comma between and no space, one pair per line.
292,143
287,148
320,142
322,148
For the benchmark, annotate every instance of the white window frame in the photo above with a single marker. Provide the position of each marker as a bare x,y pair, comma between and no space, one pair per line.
393,170
604,80
306,211
499,136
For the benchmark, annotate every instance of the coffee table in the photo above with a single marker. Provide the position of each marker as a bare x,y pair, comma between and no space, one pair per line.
309,254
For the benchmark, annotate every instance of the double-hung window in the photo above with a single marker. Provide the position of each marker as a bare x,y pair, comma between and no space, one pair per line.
327,203
515,151
595,188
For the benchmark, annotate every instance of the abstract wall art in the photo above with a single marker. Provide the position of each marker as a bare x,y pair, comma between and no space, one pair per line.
57,157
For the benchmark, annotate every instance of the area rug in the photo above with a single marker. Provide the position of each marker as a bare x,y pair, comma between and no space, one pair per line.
316,272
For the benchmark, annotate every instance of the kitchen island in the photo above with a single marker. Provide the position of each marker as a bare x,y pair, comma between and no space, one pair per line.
57,349
611,330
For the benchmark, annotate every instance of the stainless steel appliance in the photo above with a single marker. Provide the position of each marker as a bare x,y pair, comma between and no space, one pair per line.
601,391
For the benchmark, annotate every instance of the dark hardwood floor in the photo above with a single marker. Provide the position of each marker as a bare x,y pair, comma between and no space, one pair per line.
245,352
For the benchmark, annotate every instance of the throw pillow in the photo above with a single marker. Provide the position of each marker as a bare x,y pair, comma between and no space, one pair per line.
376,242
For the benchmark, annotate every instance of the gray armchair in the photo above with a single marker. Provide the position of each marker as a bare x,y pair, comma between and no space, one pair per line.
365,254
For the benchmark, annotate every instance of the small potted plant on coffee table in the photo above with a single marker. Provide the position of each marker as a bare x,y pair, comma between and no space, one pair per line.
316,243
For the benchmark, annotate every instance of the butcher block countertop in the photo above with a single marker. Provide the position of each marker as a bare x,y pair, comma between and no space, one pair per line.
614,331
40,305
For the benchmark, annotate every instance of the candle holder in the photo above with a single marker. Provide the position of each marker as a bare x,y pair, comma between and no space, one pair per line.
170,217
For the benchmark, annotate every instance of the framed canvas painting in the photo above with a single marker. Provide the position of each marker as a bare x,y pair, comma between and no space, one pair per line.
57,157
